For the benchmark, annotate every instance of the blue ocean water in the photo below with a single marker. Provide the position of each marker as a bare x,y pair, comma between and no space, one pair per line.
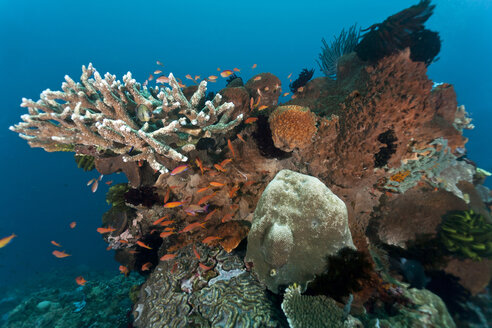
41,42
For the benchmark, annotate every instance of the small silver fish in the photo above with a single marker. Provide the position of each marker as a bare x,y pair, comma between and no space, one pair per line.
143,113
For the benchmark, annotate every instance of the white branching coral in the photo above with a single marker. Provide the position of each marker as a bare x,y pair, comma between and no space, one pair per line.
107,114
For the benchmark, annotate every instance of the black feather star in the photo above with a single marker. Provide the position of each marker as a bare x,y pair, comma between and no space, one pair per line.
404,29
301,81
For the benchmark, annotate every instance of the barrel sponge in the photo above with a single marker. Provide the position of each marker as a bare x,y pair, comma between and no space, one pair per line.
292,127
297,223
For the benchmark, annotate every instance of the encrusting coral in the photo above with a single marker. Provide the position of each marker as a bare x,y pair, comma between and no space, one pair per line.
106,113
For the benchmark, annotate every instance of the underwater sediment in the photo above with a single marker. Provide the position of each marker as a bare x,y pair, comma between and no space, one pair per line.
234,193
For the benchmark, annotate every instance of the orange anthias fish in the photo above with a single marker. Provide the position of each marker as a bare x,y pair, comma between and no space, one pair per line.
205,199
225,162
105,230
250,120
157,71
233,192
189,77
4,241
262,107
109,182
254,66
179,169
226,218
60,254
226,73
199,164
217,184
229,144
159,63
196,252
173,204
156,222
257,78
151,77
55,243
141,244
166,223
204,267
73,224
209,215
146,266
235,69
168,257
288,76
202,189
192,226
166,234
219,168
94,186
124,270
286,94
240,137
210,239
162,79
80,281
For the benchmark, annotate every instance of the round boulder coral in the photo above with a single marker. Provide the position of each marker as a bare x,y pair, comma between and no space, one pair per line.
292,127
297,223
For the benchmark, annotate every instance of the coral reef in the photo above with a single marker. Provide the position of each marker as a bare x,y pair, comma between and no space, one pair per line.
102,300
292,127
373,159
102,112
298,221
330,54
179,293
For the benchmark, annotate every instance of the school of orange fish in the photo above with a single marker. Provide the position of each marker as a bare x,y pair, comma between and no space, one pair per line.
190,209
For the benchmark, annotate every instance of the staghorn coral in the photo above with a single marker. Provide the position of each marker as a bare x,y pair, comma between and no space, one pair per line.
102,112
292,127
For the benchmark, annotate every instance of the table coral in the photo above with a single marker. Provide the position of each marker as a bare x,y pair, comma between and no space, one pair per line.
104,112
292,127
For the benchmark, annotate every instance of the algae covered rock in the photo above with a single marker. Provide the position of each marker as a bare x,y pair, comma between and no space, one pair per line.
297,223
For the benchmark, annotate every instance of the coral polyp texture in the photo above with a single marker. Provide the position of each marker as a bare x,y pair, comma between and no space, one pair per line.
292,127
125,118
297,223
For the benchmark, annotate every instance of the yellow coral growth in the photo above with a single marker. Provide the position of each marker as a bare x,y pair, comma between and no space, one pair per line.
400,176
292,127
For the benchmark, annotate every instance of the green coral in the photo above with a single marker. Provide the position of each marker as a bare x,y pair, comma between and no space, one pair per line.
86,162
466,233
116,194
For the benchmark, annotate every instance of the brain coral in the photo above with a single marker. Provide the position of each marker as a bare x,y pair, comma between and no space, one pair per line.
297,223
292,127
